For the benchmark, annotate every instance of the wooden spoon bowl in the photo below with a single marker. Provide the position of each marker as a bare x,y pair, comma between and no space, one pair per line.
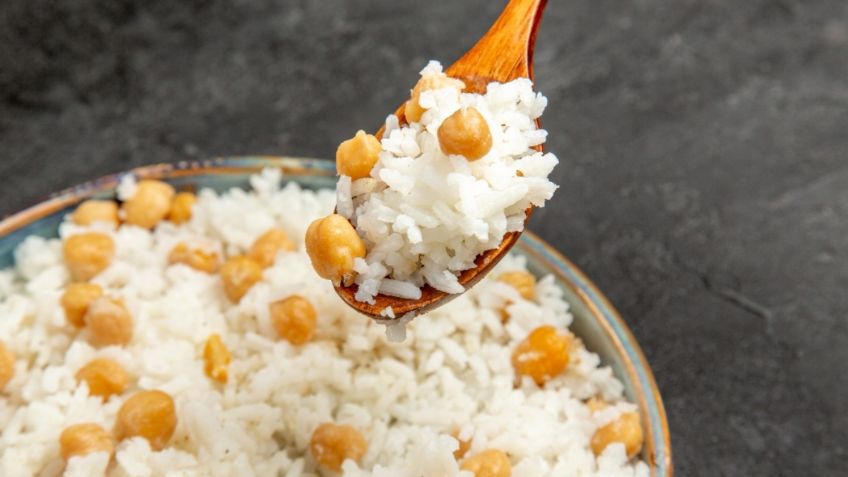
503,54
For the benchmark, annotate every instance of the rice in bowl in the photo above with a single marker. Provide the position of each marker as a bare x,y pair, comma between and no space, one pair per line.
453,375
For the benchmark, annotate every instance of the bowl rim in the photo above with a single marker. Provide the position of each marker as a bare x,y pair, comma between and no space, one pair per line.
658,437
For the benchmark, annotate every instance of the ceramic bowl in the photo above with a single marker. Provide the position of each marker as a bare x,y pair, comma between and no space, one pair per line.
596,321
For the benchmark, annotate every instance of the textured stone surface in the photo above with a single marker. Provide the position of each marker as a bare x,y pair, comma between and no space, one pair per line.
704,173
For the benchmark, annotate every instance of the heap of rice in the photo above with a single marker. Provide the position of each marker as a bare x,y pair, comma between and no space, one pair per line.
453,372
425,216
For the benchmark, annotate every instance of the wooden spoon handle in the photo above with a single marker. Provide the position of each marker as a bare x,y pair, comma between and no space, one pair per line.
506,51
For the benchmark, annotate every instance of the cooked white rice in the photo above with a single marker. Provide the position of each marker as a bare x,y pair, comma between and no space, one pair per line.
425,216
453,370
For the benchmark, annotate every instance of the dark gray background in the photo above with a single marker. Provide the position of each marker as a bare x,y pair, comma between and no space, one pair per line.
704,174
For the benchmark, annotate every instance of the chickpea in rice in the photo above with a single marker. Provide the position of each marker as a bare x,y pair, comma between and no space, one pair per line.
92,211
182,207
88,254
523,282
83,439
148,414
109,322
294,318
195,257
596,404
76,299
238,275
463,445
104,377
465,133
149,205
543,355
489,463
7,365
412,108
357,156
625,429
331,444
266,247
333,244
216,358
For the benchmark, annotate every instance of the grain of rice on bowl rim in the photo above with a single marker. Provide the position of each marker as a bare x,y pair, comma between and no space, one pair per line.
208,385
436,191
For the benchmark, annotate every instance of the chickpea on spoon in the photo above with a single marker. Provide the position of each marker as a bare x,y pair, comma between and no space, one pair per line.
428,205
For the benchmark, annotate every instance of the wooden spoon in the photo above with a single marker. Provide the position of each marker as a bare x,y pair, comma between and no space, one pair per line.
503,54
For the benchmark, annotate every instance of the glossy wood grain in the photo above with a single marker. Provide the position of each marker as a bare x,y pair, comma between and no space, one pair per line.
503,54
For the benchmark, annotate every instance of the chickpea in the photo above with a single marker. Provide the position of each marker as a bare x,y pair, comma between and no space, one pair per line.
542,355
149,205
357,156
148,414
332,444
195,257
412,109
464,445
524,282
7,365
294,319
92,211
109,322
82,439
465,133
504,313
265,248
88,254
596,404
332,245
625,429
181,207
77,298
104,377
489,463
239,274
216,358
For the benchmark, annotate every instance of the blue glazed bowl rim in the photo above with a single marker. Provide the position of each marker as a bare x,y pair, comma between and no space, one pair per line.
646,392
